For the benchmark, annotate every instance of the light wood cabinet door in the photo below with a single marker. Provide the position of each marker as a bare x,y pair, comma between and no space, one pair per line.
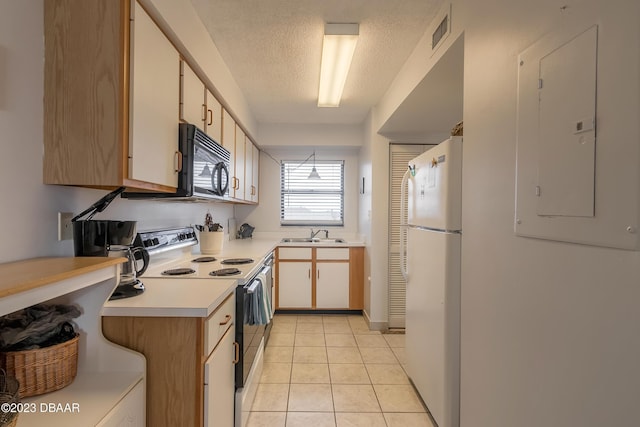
294,284
229,142
248,169
238,189
255,171
111,87
153,140
213,122
219,384
332,285
192,97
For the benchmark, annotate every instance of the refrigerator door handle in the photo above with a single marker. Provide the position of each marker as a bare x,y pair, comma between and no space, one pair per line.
404,268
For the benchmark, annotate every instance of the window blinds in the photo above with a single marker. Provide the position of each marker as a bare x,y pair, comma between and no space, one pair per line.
305,201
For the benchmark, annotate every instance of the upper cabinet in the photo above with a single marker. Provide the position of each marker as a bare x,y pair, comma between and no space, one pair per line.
111,86
198,106
252,170
192,97
245,161
153,93
229,142
115,92
239,178
213,124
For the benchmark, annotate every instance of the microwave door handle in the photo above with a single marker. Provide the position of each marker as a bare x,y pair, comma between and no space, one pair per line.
225,170
215,180
217,187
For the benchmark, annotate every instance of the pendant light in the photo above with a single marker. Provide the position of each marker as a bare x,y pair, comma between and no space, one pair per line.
314,172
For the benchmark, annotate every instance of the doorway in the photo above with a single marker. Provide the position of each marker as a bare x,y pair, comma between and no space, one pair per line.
399,156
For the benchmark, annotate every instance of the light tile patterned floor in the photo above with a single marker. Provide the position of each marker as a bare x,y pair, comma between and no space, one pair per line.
331,370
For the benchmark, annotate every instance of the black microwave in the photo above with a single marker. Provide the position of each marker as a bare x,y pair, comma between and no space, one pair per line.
205,168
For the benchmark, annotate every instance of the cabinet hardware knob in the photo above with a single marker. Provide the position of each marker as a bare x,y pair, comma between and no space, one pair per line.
227,319
236,349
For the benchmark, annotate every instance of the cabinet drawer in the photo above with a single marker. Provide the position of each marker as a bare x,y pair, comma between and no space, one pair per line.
218,323
332,253
294,253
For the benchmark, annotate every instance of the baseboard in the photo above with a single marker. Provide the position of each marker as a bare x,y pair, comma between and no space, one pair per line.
375,326
288,311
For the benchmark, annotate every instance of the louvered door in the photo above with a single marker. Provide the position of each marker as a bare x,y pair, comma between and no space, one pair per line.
399,156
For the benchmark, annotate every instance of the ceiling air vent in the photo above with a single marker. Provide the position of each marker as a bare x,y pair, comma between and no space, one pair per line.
440,32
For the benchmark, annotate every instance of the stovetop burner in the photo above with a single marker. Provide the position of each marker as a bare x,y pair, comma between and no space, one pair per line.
225,272
178,272
237,261
204,259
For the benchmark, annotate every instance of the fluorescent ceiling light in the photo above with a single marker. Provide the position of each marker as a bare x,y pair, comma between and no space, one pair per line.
337,51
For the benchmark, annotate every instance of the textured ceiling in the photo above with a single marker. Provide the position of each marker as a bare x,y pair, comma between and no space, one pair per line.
273,48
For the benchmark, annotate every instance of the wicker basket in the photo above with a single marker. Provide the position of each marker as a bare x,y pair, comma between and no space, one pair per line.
44,369
8,394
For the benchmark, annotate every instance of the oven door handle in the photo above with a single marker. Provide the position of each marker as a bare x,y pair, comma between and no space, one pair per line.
252,288
236,350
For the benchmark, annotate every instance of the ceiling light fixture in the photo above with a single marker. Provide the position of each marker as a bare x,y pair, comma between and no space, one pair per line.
337,51
314,172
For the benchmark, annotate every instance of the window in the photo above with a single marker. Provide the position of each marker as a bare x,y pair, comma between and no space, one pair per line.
305,201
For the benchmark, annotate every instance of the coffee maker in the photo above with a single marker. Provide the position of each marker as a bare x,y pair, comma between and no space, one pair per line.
111,238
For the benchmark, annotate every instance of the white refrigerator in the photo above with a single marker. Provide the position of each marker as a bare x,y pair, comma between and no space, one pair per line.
431,240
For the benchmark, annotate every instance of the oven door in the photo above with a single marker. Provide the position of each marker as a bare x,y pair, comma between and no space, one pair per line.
248,336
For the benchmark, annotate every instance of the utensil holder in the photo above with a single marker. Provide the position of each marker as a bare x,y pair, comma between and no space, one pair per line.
211,242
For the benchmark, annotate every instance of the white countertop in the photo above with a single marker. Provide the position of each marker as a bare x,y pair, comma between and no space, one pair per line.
190,297
322,245
173,298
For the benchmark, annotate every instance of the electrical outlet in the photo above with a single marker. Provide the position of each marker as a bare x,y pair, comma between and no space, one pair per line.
65,229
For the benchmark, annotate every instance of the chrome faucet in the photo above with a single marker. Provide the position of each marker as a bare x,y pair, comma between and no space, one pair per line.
315,233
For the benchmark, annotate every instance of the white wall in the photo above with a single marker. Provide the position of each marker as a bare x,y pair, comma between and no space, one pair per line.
28,211
549,329
310,135
180,21
297,142
364,208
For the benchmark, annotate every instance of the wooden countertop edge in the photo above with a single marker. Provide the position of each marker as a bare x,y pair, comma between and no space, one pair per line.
21,276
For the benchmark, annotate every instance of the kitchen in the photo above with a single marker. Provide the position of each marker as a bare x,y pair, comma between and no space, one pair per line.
548,328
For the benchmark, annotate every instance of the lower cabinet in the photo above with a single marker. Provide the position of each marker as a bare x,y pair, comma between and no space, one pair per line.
294,288
332,285
320,278
190,365
219,384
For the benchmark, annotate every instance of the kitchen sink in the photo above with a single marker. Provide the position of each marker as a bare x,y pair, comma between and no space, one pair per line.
311,240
